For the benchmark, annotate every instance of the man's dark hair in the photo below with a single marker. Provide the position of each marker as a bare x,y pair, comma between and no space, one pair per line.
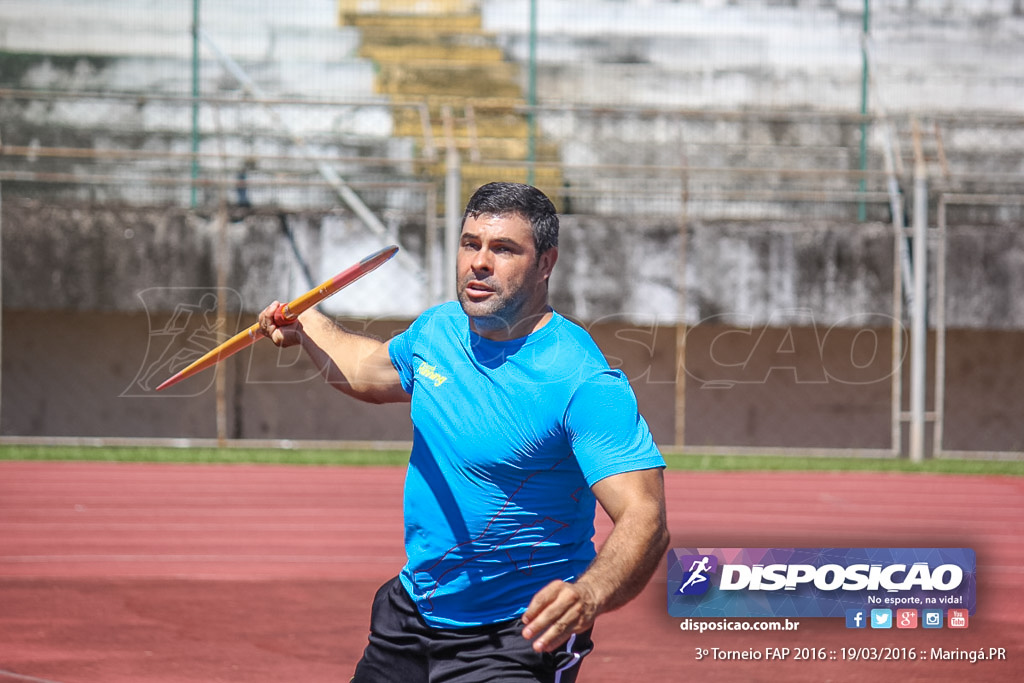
498,199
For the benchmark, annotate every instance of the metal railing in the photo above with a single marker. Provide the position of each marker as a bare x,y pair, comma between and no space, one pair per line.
682,166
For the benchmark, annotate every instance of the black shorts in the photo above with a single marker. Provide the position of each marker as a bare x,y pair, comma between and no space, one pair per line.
404,649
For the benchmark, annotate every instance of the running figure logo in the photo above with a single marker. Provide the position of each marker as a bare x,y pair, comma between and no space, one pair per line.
696,580
190,331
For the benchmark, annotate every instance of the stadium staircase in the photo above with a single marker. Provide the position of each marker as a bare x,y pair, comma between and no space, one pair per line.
439,53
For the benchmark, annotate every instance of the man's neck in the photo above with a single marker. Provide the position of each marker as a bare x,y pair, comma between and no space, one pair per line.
526,325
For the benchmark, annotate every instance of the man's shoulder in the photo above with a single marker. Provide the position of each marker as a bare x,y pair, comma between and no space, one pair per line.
448,309
567,330
436,323
447,314
571,350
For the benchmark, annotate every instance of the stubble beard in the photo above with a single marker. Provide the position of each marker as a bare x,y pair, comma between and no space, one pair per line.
500,311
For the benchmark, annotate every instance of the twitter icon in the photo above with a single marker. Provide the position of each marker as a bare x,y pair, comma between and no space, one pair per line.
881,618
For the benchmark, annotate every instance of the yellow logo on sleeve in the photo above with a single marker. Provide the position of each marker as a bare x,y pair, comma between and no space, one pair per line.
431,373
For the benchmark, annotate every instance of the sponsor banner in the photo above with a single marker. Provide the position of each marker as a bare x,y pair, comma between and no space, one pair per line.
818,582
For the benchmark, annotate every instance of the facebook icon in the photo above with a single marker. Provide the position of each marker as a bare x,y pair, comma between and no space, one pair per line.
856,618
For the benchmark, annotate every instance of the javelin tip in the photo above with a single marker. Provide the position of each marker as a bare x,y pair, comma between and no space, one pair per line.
174,379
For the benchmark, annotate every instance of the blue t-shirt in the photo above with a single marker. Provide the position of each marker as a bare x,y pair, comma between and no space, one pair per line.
508,438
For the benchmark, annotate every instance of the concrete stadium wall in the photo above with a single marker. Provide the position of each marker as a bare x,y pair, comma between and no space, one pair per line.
788,327
147,46
925,56
110,258
81,257
76,375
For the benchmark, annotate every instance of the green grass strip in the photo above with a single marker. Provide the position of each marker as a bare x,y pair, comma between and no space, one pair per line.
240,456
773,463
391,458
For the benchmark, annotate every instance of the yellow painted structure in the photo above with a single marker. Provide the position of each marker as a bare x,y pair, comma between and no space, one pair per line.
437,53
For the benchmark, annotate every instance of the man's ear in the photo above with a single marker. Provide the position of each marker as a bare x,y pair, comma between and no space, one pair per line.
546,262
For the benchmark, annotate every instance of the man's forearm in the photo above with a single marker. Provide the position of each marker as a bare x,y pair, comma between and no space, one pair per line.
335,351
353,363
628,558
626,561
350,362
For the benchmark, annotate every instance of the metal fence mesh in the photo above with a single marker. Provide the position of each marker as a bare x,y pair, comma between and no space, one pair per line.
723,151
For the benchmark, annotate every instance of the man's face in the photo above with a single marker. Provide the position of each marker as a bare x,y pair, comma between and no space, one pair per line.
501,282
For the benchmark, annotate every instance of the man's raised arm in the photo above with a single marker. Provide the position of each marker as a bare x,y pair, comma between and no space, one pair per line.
355,364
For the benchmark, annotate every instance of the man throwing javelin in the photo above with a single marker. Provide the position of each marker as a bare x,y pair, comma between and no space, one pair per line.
519,426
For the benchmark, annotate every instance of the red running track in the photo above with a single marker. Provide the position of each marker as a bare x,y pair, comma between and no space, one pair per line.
132,573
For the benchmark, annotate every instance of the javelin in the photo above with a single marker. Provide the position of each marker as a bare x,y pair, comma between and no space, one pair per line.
285,314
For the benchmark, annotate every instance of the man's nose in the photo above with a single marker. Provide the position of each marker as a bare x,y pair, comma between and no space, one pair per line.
482,260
